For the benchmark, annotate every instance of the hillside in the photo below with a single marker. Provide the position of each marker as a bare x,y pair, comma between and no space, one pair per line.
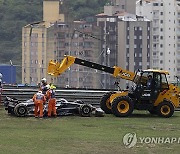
14,14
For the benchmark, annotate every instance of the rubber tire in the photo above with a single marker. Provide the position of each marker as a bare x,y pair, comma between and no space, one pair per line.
17,110
115,103
167,103
85,110
103,100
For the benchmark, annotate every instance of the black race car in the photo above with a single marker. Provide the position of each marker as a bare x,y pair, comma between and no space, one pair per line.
63,108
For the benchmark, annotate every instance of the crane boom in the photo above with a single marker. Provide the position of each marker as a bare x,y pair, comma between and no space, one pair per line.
56,68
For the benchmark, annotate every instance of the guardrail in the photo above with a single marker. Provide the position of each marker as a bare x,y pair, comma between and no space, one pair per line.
88,96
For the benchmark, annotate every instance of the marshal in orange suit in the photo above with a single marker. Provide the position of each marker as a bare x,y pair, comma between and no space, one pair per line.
39,99
51,101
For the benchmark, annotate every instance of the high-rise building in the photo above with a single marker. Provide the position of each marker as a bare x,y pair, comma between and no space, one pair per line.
78,39
127,37
164,16
53,38
37,40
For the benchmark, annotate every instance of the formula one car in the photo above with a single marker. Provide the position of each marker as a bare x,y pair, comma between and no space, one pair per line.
63,108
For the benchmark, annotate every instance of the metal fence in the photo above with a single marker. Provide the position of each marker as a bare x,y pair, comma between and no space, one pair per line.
88,96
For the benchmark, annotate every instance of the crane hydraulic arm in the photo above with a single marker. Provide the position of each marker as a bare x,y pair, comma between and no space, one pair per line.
56,68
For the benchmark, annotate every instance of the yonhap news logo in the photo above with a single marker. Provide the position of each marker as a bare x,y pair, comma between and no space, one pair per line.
131,139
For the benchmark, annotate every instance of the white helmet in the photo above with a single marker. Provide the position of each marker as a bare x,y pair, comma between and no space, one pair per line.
40,92
43,79
48,86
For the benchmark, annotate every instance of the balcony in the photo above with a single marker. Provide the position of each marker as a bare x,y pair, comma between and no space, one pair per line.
155,40
156,17
155,32
155,57
155,24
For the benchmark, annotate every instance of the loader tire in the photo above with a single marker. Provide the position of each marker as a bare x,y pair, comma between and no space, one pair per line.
165,109
122,106
105,102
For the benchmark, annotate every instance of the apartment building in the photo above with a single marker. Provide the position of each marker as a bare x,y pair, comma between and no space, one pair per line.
128,37
165,24
53,38
78,39
37,40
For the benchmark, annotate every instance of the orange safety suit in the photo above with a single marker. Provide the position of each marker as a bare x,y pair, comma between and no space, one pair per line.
51,103
39,99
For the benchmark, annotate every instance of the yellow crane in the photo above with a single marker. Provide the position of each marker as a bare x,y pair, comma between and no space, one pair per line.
160,98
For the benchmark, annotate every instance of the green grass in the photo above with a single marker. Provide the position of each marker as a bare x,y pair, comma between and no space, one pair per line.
78,135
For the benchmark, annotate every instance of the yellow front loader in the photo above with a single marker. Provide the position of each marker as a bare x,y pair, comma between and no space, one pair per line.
161,99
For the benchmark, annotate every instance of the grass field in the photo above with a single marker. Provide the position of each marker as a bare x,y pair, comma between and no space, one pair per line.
78,135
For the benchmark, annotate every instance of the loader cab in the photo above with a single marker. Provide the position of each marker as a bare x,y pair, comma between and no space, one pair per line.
149,84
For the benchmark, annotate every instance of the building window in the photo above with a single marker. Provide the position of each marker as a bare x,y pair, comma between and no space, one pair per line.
155,4
61,35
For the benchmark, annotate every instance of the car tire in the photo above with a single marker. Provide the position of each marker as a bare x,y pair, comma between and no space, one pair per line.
165,109
105,102
122,106
20,110
85,110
